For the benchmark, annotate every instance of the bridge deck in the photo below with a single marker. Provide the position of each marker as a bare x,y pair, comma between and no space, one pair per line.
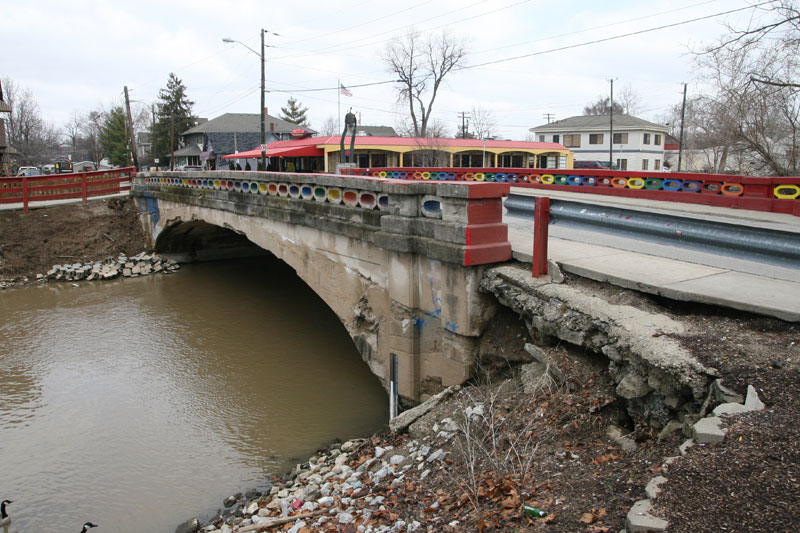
673,272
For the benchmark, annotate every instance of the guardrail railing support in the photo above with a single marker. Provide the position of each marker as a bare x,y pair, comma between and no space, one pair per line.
84,189
24,194
541,223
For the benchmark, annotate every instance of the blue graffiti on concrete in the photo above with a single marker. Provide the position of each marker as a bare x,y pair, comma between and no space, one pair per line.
422,321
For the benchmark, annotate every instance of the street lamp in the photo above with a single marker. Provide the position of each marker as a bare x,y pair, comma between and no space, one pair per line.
263,91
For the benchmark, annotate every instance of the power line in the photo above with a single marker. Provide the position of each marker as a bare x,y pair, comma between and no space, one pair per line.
332,88
597,41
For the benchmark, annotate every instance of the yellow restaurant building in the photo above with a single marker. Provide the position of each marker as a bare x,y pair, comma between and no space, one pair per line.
321,154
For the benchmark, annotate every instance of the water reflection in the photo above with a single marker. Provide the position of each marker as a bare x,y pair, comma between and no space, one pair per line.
141,402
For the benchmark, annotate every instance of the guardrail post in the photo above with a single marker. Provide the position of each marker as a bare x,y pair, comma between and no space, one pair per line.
541,223
24,194
84,188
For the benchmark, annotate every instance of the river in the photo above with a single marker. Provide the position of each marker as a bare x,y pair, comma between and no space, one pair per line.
141,402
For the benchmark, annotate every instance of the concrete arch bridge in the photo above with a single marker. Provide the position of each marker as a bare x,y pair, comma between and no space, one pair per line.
398,262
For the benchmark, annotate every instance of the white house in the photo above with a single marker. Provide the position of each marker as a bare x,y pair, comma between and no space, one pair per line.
638,144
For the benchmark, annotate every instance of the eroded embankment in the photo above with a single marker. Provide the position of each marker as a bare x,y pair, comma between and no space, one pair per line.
659,379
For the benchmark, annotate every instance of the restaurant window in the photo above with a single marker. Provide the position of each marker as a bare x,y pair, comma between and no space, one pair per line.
645,164
620,138
556,138
657,140
379,160
595,138
572,141
541,138
646,139
622,164
656,164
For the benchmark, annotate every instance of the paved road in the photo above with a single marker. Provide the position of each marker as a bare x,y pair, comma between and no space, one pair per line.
673,272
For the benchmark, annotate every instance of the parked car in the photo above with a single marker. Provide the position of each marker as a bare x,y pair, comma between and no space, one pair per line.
28,171
190,167
594,164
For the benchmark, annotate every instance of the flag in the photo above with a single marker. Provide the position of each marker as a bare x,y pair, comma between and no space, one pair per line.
344,91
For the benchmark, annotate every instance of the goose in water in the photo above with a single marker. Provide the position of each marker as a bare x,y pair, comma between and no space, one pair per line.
86,527
4,518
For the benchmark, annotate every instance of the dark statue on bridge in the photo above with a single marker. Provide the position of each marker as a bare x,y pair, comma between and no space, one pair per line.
350,123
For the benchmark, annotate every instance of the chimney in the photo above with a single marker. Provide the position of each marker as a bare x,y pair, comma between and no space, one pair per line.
271,126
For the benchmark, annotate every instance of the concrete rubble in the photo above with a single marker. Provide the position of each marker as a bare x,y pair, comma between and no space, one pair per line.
110,268
335,487
705,431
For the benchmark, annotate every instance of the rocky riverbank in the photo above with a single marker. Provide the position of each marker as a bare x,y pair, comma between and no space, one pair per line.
141,264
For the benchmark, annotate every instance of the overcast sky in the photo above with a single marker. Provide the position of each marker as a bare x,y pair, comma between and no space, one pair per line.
77,55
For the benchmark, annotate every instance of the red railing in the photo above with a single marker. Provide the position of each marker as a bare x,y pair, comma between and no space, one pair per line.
83,185
775,194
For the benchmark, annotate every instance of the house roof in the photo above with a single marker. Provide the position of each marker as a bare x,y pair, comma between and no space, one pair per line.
243,123
598,122
377,131
192,149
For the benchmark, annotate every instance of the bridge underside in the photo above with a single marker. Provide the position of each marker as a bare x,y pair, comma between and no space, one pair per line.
389,302
197,240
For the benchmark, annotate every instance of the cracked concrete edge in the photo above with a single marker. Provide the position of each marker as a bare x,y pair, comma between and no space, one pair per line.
631,326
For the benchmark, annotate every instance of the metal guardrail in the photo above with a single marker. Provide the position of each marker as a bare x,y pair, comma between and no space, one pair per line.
775,247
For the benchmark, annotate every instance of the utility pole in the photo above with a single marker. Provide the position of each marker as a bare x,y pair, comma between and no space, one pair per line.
263,105
172,142
464,124
611,128
549,116
130,125
680,141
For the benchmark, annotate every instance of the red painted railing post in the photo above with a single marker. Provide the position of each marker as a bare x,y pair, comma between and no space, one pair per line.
541,222
24,194
84,187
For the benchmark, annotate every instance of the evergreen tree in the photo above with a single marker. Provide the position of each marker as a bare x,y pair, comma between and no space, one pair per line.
295,113
173,117
114,137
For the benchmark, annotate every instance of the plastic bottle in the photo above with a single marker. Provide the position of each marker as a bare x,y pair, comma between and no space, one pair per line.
534,512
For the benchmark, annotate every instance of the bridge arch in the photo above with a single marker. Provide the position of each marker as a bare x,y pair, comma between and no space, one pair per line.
191,233
401,279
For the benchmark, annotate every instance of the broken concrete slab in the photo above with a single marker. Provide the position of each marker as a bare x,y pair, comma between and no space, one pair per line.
640,520
753,402
653,486
708,430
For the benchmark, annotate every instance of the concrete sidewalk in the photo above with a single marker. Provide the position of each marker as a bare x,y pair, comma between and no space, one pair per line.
678,280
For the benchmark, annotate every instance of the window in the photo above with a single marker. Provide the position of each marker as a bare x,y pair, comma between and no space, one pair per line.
379,160
572,141
657,140
541,138
622,164
656,164
646,139
556,139
620,138
645,164
595,138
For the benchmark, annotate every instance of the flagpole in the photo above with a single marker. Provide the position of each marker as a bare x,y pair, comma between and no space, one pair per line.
339,103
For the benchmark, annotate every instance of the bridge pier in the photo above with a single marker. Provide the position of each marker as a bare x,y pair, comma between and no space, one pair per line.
398,262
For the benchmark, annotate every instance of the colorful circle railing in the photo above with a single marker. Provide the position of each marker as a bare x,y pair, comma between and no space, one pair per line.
307,191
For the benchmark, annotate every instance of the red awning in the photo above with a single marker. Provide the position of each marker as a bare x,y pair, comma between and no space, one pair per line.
299,151
296,151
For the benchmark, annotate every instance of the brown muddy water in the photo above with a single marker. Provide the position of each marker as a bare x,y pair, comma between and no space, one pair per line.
139,403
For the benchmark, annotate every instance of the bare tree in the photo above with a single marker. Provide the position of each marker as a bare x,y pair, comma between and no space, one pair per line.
483,123
330,126
421,65
35,140
626,102
752,75
73,130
